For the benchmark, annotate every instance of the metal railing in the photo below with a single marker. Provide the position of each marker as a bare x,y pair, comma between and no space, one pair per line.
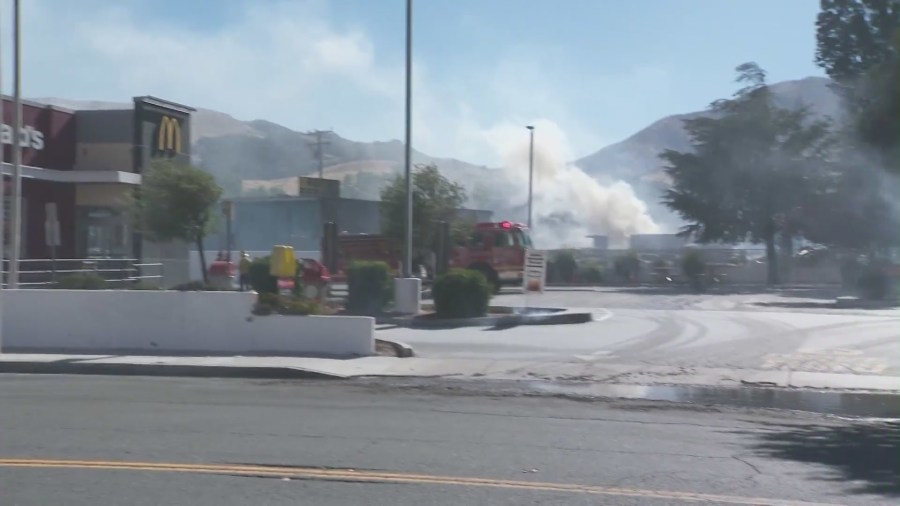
119,272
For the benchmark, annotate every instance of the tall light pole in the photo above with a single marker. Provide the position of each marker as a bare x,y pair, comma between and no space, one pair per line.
2,196
530,170
408,214
16,208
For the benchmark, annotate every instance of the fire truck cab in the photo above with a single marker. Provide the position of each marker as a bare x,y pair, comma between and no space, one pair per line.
497,250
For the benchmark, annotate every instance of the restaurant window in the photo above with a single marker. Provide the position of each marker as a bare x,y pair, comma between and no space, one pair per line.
103,233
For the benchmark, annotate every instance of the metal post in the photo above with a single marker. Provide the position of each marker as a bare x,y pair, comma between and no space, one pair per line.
228,211
530,171
16,209
319,154
2,196
408,246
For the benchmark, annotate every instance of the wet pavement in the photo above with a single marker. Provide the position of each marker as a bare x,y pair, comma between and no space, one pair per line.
864,405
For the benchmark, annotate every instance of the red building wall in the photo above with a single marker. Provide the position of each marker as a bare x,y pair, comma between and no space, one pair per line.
58,136
58,131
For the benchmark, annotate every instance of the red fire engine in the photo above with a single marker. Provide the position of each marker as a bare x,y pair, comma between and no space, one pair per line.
495,249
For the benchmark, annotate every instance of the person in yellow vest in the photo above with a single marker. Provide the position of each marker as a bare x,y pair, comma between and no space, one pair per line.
244,270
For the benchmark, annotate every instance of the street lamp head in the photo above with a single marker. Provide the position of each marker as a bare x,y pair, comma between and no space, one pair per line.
530,127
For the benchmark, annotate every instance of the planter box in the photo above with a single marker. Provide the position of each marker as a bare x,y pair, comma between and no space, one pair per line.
206,323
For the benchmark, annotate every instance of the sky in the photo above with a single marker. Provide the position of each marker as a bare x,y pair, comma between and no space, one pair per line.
594,71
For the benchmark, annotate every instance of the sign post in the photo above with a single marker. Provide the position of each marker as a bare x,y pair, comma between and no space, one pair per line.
228,212
52,235
535,275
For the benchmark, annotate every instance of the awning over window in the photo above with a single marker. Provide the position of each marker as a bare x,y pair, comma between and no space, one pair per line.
75,176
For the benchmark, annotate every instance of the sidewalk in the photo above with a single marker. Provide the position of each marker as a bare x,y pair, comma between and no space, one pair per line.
485,369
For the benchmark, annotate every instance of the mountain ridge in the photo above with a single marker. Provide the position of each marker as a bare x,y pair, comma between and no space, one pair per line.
235,150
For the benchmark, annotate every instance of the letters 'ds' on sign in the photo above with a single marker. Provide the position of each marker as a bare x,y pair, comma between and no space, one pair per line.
535,273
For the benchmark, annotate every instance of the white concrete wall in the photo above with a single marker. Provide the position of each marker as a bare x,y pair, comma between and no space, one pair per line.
167,321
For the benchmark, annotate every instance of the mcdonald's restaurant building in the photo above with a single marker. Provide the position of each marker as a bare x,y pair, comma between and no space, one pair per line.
84,164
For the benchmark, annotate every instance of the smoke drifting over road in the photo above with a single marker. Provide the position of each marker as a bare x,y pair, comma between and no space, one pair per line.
569,205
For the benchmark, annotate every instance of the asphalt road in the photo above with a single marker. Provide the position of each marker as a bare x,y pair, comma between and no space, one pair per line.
92,441
759,331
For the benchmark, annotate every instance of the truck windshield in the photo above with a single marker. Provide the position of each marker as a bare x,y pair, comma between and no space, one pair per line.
522,239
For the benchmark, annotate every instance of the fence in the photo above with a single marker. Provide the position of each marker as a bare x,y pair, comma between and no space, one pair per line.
733,266
44,273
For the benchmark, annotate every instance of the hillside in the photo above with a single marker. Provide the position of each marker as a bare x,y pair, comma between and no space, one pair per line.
636,159
234,151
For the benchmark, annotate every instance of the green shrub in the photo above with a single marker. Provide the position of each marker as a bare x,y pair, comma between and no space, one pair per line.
461,293
82,281
552,272
300,306
565,265
591,273
627,265
369,287
289,305
260,279
693,265
872,282
850,268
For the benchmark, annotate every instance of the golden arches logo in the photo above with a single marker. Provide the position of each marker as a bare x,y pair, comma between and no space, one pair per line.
169,135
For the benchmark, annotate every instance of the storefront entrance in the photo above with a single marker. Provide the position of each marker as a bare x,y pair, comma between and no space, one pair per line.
102,232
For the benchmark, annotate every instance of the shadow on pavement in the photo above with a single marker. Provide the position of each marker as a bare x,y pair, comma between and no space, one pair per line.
865,455
828,293
798,305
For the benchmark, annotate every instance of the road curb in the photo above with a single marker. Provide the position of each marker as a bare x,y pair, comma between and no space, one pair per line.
164,370
857,303
559,317
402,350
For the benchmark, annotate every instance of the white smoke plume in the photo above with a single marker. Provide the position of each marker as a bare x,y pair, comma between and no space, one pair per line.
568,204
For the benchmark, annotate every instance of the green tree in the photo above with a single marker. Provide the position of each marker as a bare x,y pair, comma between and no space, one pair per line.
751,164
878,118
176,202
435,198
852,36
858,45
856,207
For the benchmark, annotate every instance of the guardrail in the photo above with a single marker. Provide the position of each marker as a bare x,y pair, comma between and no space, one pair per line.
42,273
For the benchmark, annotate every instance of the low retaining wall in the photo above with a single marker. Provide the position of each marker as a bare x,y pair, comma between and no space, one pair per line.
171,321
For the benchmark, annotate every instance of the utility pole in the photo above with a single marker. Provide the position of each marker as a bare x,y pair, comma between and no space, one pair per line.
407,154
2,199
16,210
320,154
530,171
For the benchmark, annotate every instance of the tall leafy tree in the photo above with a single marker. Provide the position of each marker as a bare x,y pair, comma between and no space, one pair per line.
858,45
435,198
177,202
878,118
852,36
855,207
751,165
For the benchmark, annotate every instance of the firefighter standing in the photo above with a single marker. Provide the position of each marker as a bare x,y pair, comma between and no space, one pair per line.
244,270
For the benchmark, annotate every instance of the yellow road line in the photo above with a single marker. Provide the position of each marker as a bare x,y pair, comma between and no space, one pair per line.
312,473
